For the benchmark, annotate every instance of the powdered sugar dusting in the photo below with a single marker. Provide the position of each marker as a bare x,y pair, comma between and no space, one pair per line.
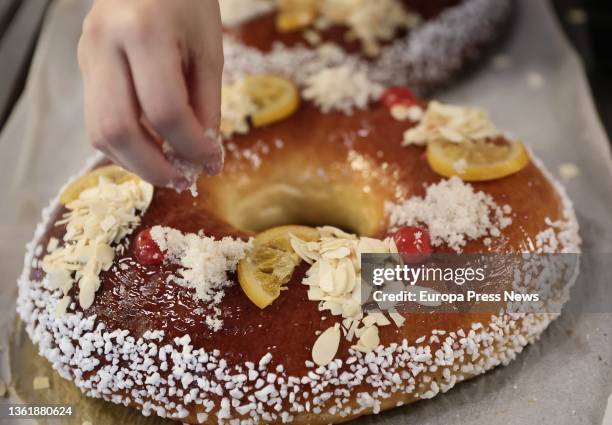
204,263
341,88
453,212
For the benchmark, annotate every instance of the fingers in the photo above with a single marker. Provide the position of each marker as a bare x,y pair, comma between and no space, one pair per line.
112,118
205,73
163,96
155,64
205,88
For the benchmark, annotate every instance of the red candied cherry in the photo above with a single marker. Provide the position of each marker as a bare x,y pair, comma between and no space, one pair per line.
413,243
398,95
146,250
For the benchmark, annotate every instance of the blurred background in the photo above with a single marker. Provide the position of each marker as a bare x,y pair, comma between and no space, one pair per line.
587,24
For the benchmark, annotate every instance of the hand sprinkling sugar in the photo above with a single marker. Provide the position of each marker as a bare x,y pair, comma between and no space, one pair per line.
151,72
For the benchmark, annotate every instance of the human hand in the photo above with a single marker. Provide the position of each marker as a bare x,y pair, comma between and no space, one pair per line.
152,70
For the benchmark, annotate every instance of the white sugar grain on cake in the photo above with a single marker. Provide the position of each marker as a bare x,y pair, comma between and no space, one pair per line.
412,113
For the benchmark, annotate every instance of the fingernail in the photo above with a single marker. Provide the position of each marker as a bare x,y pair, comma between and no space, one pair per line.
180,184
214,164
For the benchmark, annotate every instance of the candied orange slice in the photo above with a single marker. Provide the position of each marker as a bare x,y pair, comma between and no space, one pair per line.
477,161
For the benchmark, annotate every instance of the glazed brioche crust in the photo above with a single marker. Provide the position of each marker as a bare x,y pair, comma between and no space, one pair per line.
258,366
455,35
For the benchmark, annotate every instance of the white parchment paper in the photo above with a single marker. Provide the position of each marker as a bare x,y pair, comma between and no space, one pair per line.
540,94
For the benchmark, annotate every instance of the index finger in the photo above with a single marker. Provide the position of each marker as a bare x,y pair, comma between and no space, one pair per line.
159,81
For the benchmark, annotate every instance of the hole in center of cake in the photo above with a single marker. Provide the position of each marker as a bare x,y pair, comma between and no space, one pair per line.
307,185
350,206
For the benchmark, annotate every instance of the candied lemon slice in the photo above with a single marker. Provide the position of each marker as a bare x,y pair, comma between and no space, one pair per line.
261,288
278,237
477,161
270,264
112,172
276,98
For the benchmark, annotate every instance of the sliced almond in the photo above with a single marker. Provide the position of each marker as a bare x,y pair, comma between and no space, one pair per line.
368,340
337,253
397,318
326,346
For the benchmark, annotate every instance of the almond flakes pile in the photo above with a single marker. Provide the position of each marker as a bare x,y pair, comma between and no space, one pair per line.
334,280
102,216
451,123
